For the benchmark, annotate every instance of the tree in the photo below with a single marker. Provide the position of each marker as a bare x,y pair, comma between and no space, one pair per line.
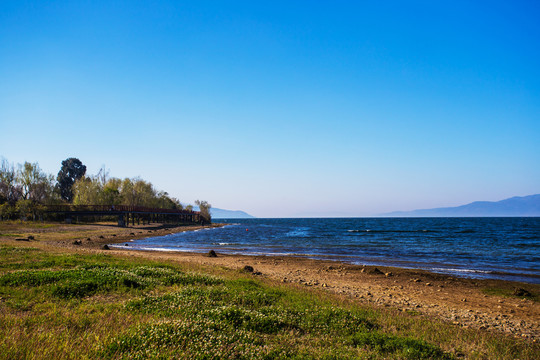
137,192
145,192
72,170
44,192
111,192
9,191
86,191
164,201
7,211
25,208
128,193
204,208
35,184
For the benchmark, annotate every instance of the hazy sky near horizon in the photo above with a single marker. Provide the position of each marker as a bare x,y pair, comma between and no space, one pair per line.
281,108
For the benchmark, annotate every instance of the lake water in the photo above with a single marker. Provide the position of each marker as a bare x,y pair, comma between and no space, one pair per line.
500,248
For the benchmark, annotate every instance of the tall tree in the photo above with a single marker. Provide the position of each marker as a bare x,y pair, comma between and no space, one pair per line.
72,170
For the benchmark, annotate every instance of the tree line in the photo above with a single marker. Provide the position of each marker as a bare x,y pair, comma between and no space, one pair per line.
25,190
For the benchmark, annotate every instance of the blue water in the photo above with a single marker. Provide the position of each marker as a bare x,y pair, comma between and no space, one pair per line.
499,248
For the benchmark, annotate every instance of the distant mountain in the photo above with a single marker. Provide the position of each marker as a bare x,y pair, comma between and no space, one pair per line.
227,214
516,206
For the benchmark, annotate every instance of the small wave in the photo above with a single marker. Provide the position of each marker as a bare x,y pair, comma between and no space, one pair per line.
389,231
301,231
462,270
274,253
297,234
168,249
532,237
527,245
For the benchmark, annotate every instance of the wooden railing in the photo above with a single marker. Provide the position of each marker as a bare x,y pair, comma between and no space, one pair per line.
115,208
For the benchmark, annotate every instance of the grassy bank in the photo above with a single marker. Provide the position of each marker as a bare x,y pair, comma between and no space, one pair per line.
75,306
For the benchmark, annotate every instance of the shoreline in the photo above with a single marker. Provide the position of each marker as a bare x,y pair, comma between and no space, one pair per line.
472,274
527,276
464,302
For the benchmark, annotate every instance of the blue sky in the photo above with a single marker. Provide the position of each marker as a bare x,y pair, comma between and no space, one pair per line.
280,108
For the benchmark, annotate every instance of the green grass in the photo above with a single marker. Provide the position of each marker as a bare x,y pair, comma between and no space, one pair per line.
506,292
66,306
10,224
87,280
406,348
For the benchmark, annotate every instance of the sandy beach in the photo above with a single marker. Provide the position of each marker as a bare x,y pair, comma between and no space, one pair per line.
463,302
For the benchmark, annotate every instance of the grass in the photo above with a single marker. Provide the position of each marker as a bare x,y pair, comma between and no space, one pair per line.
73,306
11,224
511,293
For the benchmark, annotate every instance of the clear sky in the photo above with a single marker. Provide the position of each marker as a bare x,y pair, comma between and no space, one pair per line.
280,108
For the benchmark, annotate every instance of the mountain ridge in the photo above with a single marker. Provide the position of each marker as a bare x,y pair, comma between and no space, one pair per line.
514,206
